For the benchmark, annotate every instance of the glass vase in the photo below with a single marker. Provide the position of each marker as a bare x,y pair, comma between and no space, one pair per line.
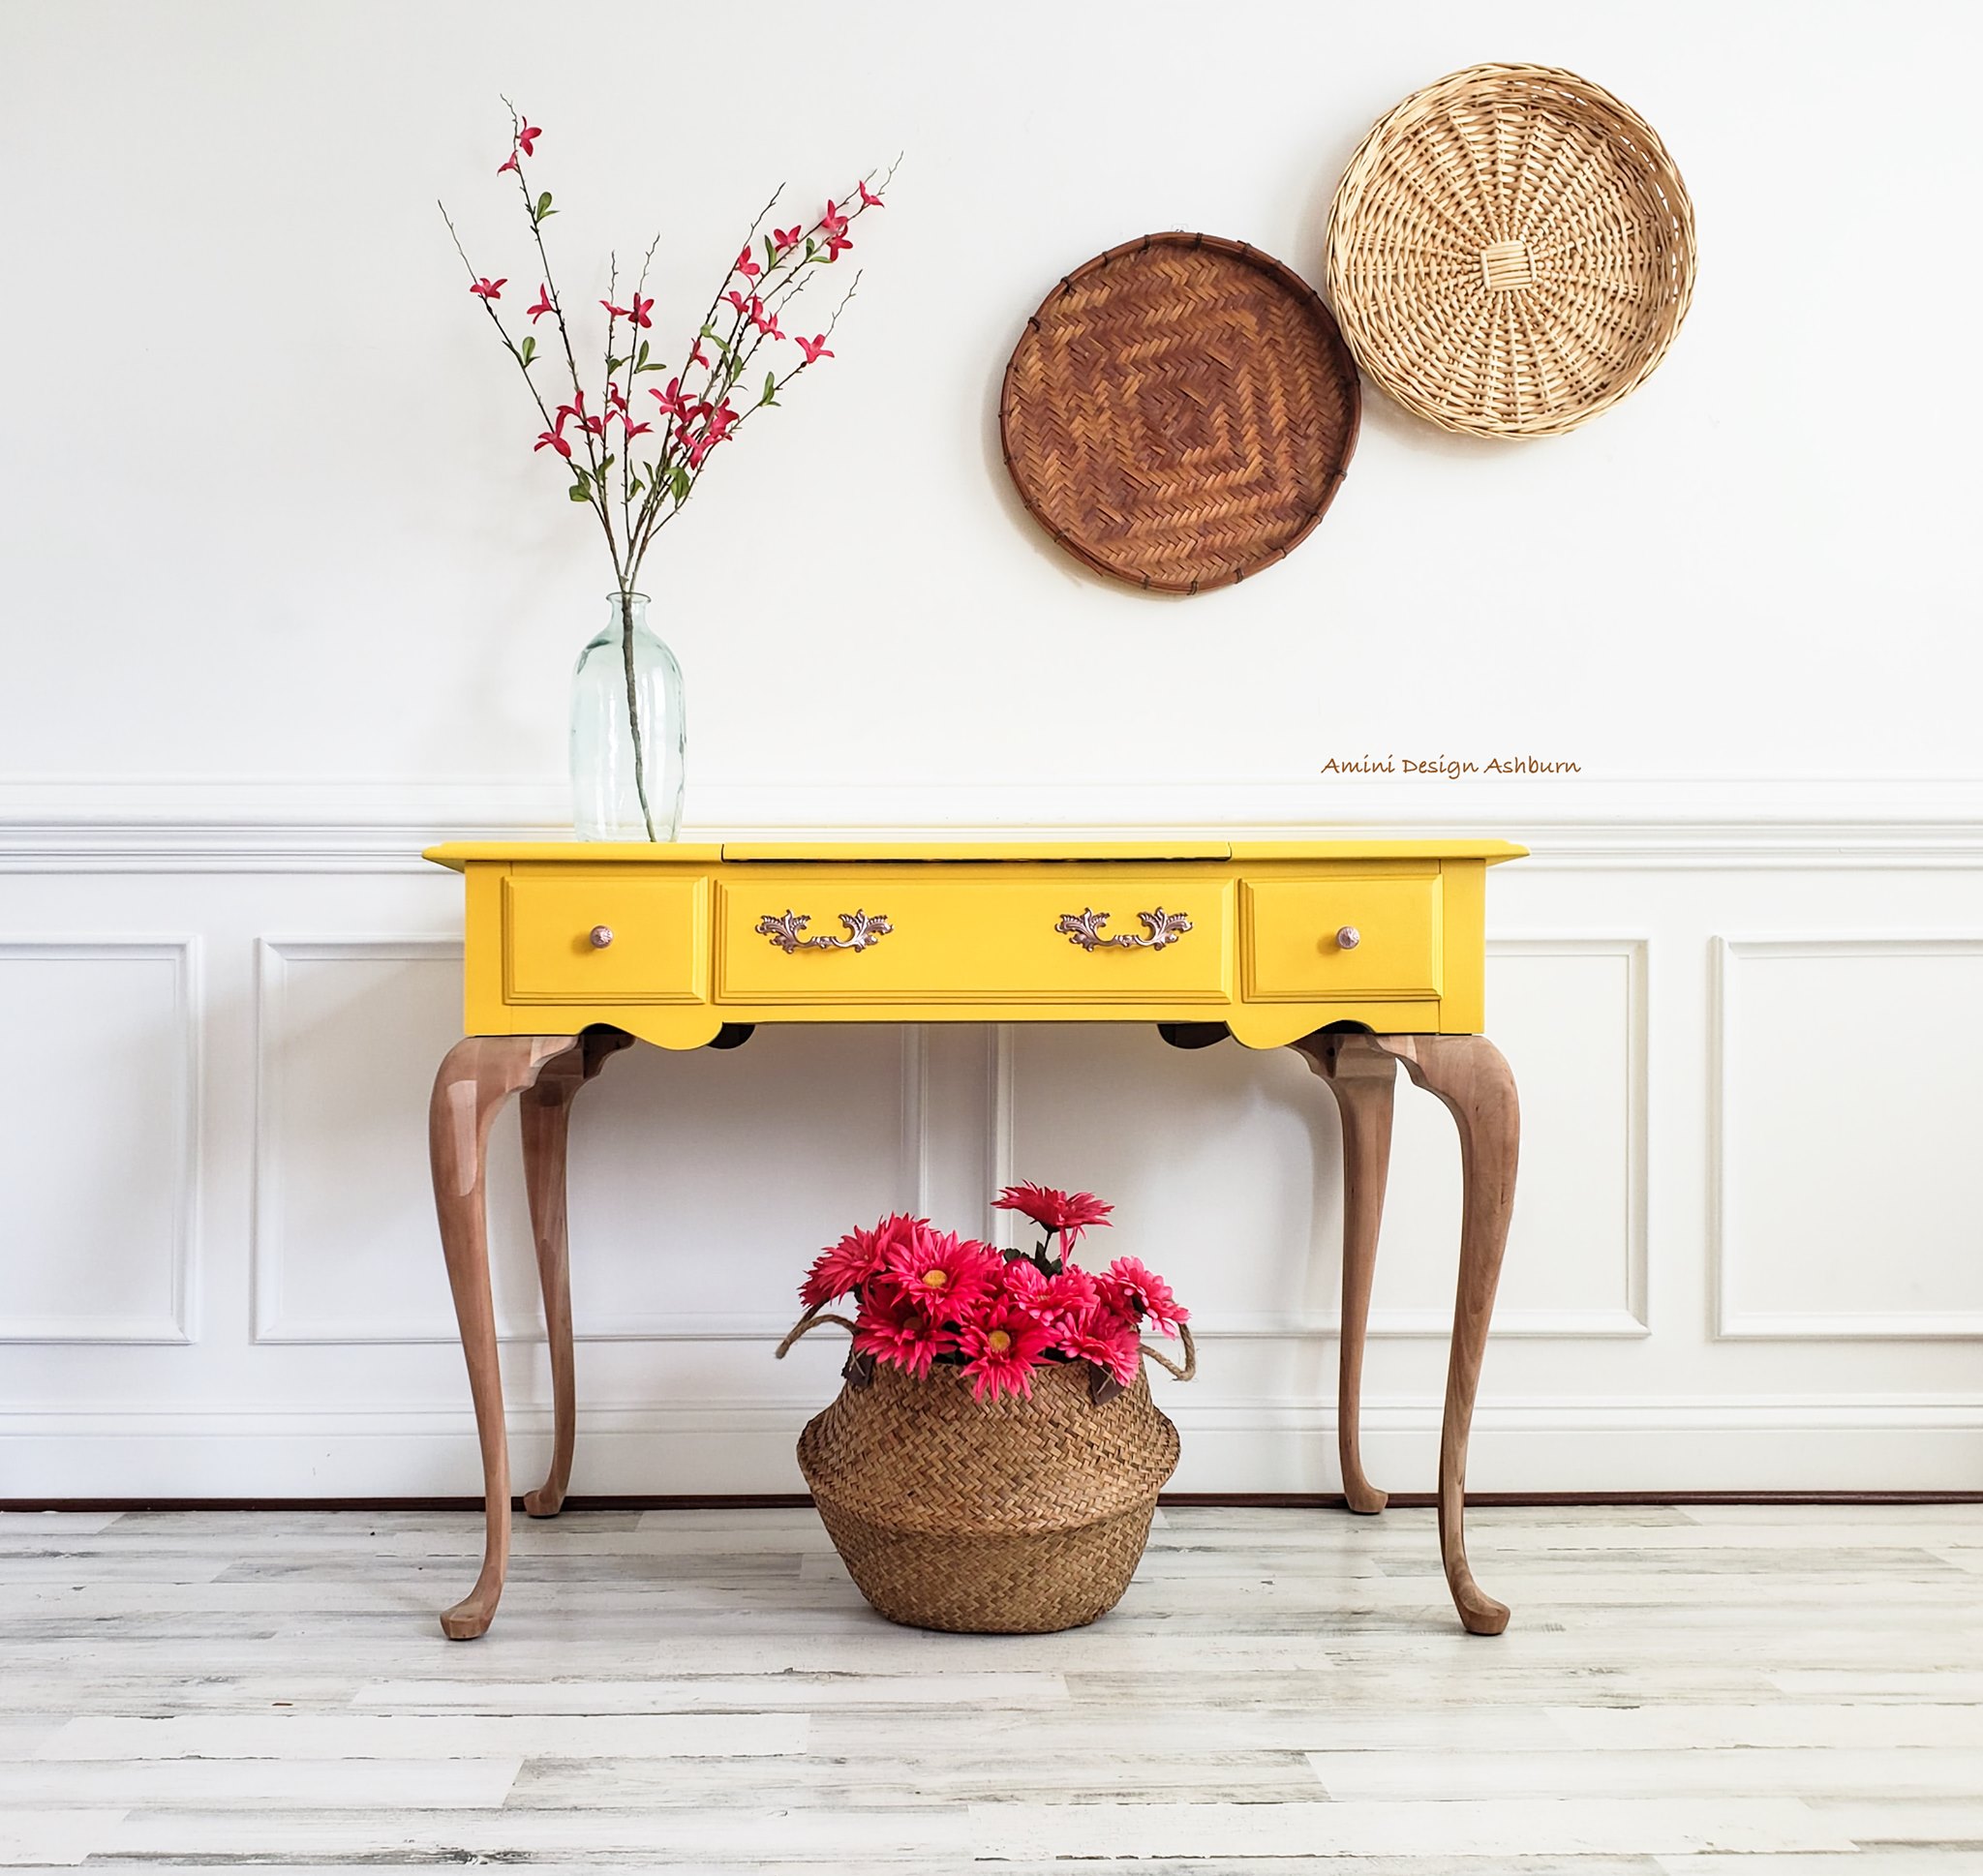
628,736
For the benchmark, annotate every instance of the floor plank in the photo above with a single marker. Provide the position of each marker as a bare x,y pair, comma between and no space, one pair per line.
1710,1691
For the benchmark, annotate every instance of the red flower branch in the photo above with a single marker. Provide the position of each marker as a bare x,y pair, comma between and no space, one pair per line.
710,396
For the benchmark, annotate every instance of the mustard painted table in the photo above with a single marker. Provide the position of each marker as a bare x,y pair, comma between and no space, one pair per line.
1360,955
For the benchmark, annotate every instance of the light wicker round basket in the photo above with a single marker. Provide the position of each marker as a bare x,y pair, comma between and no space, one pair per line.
1004,1516
1510,251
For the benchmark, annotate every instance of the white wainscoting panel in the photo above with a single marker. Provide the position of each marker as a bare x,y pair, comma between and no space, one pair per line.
704,1183
100,1120
701,1182
1847,1104
1233,1158
1570,1012
349,1032
1744,1253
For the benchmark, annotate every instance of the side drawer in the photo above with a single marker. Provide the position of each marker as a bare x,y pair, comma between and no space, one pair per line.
656,949
1292,950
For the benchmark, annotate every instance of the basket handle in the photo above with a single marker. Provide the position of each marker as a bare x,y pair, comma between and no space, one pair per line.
1163,1360
806,1323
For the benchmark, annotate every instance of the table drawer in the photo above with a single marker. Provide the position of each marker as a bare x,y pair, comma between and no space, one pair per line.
1294,930
973,941
655,930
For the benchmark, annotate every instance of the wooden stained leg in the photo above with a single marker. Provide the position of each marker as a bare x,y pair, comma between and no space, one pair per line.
544,1114
1470,1076
476,1076
1364,1083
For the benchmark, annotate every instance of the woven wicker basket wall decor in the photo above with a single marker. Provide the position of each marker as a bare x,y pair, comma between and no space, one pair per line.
1510,251
1179,411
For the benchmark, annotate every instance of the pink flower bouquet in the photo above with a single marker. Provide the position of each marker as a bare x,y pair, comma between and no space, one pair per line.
928,1298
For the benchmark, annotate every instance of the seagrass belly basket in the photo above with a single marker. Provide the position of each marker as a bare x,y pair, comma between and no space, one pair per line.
1003,1516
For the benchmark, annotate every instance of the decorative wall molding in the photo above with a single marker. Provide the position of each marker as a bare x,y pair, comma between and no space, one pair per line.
712,1445
918,1151
273,955
106,825
274,1422
1632,1317
1731,1323
292,1420
272,1325
112,1326
1626,1321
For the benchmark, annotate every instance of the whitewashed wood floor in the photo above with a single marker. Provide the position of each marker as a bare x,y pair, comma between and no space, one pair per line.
1777,1693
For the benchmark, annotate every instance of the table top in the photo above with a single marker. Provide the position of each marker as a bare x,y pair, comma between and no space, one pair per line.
461,854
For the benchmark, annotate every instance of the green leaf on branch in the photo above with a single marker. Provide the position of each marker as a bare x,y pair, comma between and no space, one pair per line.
579,492
613,364
678,481
771,252
640,357
771,387
543,210
811,246
605,464
527,352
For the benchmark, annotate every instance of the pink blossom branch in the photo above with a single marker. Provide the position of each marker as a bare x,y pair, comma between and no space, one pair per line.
736,358
681,454
636,345
596,494
654,528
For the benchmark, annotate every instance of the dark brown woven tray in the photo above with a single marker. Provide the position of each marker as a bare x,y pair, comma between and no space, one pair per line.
1179,411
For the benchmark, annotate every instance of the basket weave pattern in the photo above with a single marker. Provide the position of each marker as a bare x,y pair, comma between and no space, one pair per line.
1179,411
1510,251
994,1516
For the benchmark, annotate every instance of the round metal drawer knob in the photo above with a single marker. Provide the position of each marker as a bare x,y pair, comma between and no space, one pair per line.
1349,937
602,936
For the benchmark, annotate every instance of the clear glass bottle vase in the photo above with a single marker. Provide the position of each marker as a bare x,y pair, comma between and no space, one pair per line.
626,763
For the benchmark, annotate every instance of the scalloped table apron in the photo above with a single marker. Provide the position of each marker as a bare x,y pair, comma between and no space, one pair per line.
1359,955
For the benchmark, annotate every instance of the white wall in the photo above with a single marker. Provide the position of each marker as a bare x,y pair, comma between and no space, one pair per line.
285,594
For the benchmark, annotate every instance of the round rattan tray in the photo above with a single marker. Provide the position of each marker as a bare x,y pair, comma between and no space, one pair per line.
1510,251
1179,411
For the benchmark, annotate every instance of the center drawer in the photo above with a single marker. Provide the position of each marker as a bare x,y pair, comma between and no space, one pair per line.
973,940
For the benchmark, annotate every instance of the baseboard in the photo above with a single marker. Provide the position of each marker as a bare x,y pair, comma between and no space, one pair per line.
662,1453
1194,1500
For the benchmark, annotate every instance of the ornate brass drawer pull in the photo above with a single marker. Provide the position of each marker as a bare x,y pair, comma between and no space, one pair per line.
1085,929
786,933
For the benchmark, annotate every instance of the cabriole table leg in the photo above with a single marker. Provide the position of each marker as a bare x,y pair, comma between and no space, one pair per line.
476,1076
1364,1083
544,1117
1470,1076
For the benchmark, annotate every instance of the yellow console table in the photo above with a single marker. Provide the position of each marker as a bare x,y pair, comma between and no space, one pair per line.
1360,955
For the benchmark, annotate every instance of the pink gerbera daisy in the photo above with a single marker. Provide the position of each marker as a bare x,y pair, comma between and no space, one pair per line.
1024,1282
1141,1292
1001,1348
1065,1298
1108,1339
947,1272
1070,1213
848,1265
896,1326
